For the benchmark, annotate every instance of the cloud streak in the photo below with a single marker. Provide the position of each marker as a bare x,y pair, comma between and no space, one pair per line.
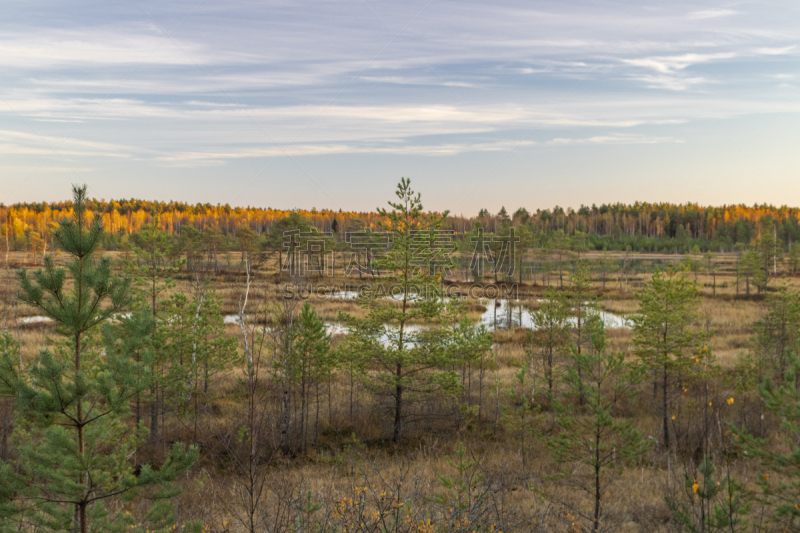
341,82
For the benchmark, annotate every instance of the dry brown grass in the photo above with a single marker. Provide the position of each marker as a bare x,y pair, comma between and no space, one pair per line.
336,465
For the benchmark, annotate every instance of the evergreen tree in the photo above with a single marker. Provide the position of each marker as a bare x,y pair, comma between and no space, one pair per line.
581,301
527,240
794,257
470,348
595,441
11,509
710,503
768,252
188,242
582,307
709,257
777,333
214,243
694,261
780,489
276,238
407,364
151,273
310,364
73,403
749,268
516,416
247,243
193,351
502,215
152,277
607,266
663,333
559,247
550,333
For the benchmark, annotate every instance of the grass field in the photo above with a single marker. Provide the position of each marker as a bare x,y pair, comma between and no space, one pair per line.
351,454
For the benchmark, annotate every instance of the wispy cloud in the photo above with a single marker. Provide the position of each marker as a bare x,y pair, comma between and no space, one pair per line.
776,51
617,138
17,142
712,13
249,82
668,64
193,158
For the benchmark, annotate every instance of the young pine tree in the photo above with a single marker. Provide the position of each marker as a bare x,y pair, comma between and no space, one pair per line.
550,333
768,252
777,333
663,332
151,275
518,414
310,364
470,348
710,503
193,350
409,366
11,512
594,441
779,483
581,300
73,402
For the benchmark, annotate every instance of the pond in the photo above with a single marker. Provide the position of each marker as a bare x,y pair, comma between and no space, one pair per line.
499,314
505,314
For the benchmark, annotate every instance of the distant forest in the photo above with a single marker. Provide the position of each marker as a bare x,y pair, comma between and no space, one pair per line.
645,227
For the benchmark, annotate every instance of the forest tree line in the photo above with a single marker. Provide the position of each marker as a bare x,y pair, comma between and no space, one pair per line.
652,227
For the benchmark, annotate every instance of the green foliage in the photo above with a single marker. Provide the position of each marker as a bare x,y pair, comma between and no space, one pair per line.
466,497
763,258
151,272
469,348
527,240
607,265
777,334
709,503
691,263
581,300
593,442
517,416
663,332
73,403
306,509
793,261
559,246
192,350
749,269
780,482
311,361
408,364
11,509
550,333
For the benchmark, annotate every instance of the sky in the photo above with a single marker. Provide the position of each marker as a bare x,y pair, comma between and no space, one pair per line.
327,104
